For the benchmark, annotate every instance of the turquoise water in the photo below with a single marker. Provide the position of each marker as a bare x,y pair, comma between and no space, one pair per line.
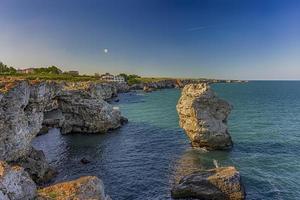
143,159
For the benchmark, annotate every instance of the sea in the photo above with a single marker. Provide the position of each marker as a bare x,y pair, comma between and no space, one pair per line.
145,158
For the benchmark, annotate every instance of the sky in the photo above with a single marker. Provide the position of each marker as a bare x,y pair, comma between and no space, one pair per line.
228,39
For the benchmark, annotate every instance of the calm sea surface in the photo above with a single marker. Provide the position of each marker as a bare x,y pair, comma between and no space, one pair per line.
143,159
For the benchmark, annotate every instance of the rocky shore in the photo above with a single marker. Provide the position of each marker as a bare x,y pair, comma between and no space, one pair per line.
175,83
28,106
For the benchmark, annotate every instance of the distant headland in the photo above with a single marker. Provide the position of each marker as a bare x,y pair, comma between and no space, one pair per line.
55,73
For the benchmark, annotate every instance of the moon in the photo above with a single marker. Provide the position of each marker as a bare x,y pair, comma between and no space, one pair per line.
105,50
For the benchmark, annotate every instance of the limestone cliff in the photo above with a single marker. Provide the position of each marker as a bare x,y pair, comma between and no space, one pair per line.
15,183
26,106
203,116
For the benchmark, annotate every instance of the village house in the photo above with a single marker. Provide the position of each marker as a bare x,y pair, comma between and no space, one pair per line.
111,78
25,71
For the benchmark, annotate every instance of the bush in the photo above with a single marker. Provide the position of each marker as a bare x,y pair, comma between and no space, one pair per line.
47,70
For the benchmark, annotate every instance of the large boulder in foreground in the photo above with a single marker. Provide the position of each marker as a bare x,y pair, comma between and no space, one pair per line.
15,183
203,116
88,187
216,184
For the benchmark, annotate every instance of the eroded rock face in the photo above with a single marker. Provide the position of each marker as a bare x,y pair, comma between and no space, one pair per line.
21,116
15,183
88,187
103,91
203,116
217,184
36,165
24,105
87,115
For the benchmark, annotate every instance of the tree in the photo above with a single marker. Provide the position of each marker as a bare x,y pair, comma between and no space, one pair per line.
4,69
48,70
125,76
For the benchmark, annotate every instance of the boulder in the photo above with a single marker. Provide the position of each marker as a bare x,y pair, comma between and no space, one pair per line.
15,183
216,184
88,187
203,116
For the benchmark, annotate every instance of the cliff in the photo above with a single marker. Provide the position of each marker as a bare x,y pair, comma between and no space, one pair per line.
27,106
203,116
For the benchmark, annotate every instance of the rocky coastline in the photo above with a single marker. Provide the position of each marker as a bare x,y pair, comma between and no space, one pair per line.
29,108
176,83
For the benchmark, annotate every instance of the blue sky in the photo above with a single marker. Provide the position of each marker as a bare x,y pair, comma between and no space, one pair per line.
231,39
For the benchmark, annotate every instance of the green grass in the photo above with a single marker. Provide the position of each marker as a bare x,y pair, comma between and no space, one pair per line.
58,77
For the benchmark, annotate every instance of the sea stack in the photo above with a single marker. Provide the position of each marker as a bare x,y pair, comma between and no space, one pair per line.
203,116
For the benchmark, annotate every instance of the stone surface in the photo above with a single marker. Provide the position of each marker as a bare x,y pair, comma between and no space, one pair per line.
21,116
148,89
27,106
87,115
15,183
37,166
103,91
217,184
88,187
203,116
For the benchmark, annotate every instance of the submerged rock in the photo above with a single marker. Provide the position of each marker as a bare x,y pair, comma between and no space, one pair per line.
215,184
203,116
88,187
15,183
84,161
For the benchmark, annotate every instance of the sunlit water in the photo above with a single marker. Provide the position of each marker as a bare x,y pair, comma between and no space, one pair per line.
143,159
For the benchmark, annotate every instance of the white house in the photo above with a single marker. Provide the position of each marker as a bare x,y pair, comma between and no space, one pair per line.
111,78
119,79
